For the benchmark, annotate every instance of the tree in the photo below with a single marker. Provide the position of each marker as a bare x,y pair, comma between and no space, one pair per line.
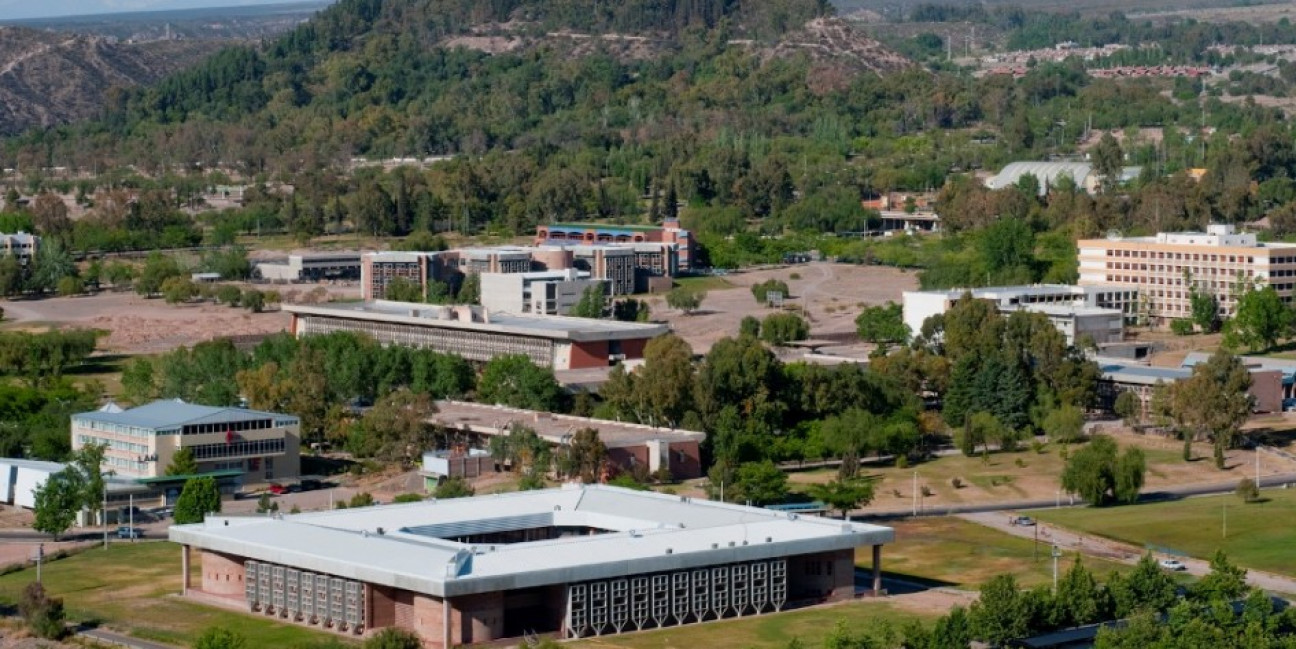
1213,401
592,304
198,498
1146,588
253,300
57,501
882,324
1247,490
400,289
393,638
229,295
1079,599
685,299
1108,161
783,328
219,638
514,380
396,428
1000,613
1225,581
585,455
1128,407
760,483
69,286
1204,307
158,268
749,326
1101,475
762,290
1260,320
1064,424
178,289
470,290
843,495
453,488
138,383
182,463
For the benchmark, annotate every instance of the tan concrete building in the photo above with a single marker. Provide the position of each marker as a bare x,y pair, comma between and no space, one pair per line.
141,442
1166,268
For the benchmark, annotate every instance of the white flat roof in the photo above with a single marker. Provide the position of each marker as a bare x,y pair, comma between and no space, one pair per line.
553,428
647,532
535,326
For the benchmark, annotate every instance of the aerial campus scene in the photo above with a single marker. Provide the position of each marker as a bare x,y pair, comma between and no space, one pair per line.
651,324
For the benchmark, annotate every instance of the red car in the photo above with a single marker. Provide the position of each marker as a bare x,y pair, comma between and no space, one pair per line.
277,489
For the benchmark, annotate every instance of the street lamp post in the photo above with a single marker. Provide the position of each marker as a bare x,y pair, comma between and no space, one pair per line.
1057,554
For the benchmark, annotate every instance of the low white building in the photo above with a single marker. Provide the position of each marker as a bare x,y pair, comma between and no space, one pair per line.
19,479
1099,311
544,293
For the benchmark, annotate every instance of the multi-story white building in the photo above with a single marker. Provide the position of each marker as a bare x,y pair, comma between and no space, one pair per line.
1167,268
142,441
1098,312
544,292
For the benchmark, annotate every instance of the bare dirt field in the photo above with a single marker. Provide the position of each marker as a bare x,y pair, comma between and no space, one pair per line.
136,325
831,294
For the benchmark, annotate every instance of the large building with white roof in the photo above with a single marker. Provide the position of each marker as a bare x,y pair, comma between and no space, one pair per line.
479,335
253,445
1096,312
579,561
1165,269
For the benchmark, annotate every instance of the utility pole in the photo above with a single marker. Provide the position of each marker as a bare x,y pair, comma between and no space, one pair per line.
1057,554
103,514
131,514
1224,523
40,558
915,493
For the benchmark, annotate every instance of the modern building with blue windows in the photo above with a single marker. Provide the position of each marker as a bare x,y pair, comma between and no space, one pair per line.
141,442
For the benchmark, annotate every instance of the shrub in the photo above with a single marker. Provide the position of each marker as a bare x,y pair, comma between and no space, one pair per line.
761,291
902,461
1247,490
393,638
219,638
1037,446
927,491
43,614
362,499
1021,464
1181,327
408,498
794,276
956,482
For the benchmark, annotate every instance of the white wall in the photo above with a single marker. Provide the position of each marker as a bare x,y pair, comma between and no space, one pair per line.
919,305
25,485
501,292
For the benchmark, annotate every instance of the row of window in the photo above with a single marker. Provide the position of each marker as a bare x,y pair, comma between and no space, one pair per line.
1192,256
113,444
238,448
236,426
116,429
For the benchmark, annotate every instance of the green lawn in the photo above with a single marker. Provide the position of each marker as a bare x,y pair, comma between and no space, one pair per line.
764,631
131,588
957,552
704,283
1260,535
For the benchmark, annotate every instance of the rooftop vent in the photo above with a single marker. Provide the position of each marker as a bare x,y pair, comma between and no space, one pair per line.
715,546
769,539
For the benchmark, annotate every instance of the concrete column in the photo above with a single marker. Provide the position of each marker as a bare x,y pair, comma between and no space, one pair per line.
445,623
877,570
184,570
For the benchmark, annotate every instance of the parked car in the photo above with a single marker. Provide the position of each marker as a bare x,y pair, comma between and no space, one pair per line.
311,485
277,489
294,488
1173,564
126,532
1025,521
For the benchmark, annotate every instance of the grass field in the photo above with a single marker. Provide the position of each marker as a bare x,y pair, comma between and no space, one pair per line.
704,283
1260,535
130,588
762,632
956,552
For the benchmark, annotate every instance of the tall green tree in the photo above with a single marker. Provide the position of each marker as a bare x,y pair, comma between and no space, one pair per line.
514,380
182,463
1101,474
57,501
198,498
592,304
1260,321
1214,401
882,324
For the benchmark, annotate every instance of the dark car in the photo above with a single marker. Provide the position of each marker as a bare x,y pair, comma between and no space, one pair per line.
126,532
311,485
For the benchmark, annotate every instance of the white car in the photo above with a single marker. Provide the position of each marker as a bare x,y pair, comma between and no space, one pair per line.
1173,564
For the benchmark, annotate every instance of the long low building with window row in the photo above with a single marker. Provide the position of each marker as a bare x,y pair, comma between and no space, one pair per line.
478,334
579,561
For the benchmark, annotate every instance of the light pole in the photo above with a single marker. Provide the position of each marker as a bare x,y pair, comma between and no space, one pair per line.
1057,554
915,493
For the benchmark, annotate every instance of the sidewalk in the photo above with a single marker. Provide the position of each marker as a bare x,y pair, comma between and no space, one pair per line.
118,640
1115,551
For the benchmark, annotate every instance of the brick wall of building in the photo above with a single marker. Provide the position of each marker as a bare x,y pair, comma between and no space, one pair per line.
222,574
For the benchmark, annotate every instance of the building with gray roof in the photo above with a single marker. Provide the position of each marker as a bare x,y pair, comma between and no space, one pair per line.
579,561
1050,175
141,442
479,334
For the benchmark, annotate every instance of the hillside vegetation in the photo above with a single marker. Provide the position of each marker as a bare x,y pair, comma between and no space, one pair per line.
49,78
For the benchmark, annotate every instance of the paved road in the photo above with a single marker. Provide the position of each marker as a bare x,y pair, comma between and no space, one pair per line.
1071,541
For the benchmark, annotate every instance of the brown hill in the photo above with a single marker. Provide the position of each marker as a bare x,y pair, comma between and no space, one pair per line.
50,78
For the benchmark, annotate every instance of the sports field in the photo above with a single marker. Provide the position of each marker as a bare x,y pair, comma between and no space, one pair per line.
1256,535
